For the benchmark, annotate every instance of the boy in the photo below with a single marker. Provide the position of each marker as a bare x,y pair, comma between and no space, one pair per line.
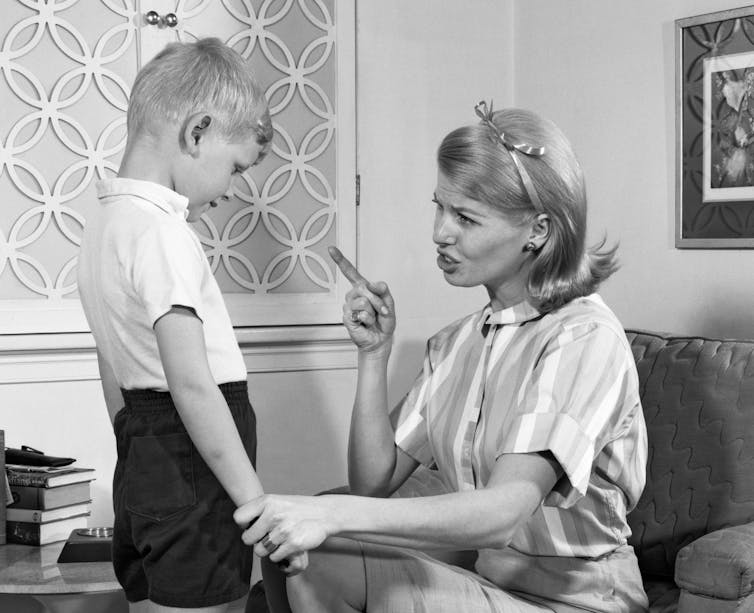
172,372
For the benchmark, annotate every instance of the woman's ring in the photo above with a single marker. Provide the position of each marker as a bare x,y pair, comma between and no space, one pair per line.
355,316
268,544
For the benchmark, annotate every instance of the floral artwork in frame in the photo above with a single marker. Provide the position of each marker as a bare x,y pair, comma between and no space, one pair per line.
729,128
715,130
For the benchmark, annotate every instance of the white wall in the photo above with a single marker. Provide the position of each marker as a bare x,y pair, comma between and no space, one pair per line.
422,66
604,72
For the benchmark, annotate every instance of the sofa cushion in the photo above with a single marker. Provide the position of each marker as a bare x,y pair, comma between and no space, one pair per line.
698,400
694,603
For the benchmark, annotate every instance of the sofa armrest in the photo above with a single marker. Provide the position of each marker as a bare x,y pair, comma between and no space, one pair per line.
718,566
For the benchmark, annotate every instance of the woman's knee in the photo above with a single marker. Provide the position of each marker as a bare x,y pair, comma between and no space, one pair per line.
335,577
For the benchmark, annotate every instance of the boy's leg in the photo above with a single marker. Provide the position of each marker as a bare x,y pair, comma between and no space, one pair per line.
274,580
184,549
146,606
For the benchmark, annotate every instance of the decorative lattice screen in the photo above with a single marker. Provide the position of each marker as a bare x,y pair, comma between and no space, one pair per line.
67,67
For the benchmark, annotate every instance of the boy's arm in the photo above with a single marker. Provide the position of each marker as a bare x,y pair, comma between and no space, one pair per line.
110,387
201,405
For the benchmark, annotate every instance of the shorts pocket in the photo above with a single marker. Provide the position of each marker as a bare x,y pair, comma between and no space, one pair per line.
160,476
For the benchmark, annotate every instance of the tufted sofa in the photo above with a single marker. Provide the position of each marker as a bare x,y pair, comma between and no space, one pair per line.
693,529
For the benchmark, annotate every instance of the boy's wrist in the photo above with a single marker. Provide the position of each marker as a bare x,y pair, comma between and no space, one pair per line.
248,494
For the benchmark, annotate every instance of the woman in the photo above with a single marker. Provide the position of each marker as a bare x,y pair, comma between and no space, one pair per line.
529,410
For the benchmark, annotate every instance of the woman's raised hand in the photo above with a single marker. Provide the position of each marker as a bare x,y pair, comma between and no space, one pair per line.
369,310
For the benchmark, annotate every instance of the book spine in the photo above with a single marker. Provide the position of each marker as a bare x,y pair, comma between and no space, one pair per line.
42,517
22,533
27,479
28,515
26,498
3,488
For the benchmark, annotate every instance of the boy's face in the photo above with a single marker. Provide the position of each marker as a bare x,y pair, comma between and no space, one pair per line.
206,178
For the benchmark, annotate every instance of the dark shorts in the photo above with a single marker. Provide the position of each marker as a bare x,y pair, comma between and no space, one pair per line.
175,542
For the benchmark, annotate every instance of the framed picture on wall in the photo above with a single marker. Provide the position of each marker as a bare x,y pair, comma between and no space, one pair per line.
715,130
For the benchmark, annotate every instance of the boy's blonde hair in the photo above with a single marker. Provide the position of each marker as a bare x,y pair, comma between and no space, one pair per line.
187,78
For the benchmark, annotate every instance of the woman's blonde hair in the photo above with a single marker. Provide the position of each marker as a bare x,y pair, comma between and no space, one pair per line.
475,160
205,75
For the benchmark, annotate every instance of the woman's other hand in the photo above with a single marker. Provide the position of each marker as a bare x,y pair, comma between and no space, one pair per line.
286,527
369,309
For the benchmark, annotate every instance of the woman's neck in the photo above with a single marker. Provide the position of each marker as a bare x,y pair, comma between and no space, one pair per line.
507,295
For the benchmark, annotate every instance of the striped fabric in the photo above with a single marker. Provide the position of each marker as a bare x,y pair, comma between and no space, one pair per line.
516,381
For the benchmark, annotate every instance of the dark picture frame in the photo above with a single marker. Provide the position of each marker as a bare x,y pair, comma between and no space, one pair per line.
715,130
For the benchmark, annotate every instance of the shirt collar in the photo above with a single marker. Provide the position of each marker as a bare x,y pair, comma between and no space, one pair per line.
162,197
516,314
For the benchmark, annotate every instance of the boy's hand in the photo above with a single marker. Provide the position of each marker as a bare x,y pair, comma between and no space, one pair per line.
369,309
285,527
294,564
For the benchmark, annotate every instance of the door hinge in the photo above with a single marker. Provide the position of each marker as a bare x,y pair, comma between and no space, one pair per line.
358,190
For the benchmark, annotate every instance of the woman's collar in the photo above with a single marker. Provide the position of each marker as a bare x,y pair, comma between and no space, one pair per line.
516,314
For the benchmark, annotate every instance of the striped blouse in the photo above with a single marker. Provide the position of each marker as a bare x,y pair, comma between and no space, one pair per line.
517,381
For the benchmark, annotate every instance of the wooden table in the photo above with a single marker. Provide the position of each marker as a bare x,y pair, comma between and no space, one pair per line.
61,588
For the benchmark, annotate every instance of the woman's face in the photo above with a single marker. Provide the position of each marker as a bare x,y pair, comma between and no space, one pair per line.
478,245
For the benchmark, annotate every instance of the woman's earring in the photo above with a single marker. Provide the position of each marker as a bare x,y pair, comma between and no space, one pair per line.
530,246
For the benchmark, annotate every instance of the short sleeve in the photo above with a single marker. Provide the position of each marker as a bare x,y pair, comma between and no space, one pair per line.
168,271
573,403
409,418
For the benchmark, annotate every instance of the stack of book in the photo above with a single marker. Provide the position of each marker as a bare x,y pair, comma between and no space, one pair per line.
48,502
5,494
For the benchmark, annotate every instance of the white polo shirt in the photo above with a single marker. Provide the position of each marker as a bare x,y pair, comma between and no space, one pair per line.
138,259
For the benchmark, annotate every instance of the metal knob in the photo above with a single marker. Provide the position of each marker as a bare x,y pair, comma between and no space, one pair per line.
153,18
